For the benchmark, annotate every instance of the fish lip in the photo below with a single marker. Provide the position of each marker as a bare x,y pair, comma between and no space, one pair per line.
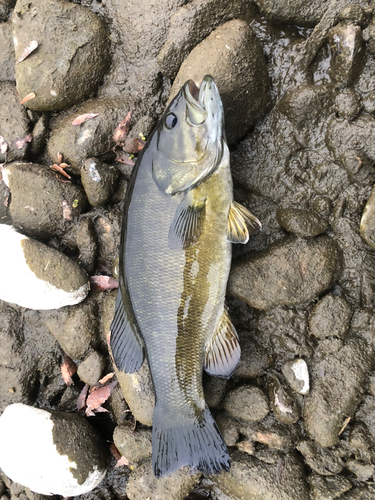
191,94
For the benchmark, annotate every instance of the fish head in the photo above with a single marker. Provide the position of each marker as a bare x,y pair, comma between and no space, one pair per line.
190,138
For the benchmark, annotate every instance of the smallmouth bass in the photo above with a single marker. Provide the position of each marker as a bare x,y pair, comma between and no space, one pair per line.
179,224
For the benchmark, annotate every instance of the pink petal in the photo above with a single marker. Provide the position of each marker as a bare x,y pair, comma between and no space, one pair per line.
82,118
30,48
99,283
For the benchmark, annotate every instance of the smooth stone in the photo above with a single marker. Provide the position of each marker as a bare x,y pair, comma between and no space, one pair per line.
135,445
347,53
40,210
301,222
93,137
297,374
90,370
6,53
287,273
330,317
234,57
247,402
71,57
229,428
61,453
108,223
99,181
36,276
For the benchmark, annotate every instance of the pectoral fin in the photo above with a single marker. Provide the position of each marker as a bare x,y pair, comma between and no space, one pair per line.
125,340
187,223
241,223
223,351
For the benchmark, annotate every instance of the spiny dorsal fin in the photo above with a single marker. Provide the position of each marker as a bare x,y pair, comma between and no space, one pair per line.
125,341
223,351
187,223
241,223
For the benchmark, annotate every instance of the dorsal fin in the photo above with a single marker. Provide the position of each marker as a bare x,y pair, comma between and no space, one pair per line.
223,351
241,223
187,223
125,341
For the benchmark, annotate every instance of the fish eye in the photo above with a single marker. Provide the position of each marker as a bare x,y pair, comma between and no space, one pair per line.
171,120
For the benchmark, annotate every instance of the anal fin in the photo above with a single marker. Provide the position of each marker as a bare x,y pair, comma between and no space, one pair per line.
125,341
223,351
241,223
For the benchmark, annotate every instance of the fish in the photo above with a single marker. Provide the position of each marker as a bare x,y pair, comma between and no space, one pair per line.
179,223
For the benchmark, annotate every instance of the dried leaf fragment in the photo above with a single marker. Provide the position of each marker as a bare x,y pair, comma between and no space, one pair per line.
28,98
60,168
105,379
83,118
122,130
346,421
3,145
81,401
27,51
124,159
123,461
67,212
100,283
68,369
21,143
98,397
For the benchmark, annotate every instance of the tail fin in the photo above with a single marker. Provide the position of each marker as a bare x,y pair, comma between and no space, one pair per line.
179,440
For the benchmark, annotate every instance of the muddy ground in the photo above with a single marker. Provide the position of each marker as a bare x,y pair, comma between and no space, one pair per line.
297,81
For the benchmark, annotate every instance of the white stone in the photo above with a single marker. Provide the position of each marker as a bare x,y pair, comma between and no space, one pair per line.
301,372
29,456
19,285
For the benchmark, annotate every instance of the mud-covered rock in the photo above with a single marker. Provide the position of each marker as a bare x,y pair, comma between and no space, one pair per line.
301,222
336,389
252,479
42,208
90,370
87,244
297,374
6,53
362,471
107,222
347,53
39,134
233,56
328,487
117,405
71,57
247,402
193,22
99,181
37,276
91,138
330,317
4,200
288,273
254,359
76,329
51,443
214,389
367,228
14,124
135,445
322,461
229,428
293,12
283,405
176,486
348,104
271,432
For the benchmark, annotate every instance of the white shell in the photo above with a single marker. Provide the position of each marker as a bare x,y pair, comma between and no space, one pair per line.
19,285
29,456
301,372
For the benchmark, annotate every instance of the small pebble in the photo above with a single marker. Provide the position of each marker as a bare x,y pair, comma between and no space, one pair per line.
90,370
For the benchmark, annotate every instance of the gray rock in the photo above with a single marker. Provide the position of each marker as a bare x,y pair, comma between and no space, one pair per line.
214,390
14,124
323,462
233,56
87,244
42,209
337,388
301,222
347,53
107,314
283,405
135,445
297,374
51,442
247,402
49,278
360,493
117,405
6,53
322,488
348,104
107,222
252,479
368,35
40,131
4,201
287,273
362,471
367,228
191,24
330,317
229,428
90,370
76,329
293,12
93,137
99,181
143,484
254,359
271,432
77,59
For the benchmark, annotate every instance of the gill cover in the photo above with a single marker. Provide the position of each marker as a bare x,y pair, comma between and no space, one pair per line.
190,138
